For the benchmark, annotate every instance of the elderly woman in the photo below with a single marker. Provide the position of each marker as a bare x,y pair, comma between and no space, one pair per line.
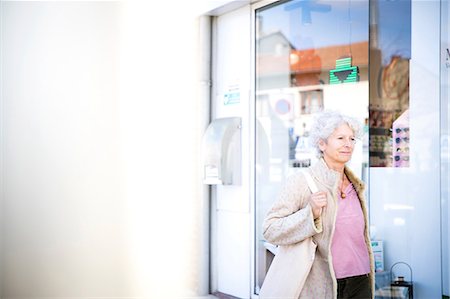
335,217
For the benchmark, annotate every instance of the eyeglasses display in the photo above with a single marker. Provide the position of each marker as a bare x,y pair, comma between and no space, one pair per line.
389,139
401,158
399,130
400,135
402,149
401,139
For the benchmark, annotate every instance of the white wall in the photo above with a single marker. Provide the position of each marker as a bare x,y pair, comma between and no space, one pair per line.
100,137
231,213
162,124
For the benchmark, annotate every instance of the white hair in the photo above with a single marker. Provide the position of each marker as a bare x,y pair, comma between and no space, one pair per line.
324,124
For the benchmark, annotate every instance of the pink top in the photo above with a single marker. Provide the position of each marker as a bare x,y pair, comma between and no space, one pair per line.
348,247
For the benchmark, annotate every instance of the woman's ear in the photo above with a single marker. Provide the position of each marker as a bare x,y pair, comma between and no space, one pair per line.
322,145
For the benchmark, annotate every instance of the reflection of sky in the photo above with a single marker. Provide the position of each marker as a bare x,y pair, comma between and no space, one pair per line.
316,23
394,26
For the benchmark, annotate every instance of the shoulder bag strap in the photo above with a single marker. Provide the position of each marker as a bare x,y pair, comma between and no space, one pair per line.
311,184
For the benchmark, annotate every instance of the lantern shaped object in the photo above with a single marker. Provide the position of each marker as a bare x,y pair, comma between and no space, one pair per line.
399,283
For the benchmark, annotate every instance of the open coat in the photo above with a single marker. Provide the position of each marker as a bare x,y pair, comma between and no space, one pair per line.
290,220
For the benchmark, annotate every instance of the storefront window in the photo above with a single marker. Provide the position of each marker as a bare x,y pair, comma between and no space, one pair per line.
315,55
405,132
310,56
390,53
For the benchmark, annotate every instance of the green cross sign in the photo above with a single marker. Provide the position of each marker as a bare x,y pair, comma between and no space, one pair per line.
344,72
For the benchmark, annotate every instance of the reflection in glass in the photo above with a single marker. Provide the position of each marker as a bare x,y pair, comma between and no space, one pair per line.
310,56
390,52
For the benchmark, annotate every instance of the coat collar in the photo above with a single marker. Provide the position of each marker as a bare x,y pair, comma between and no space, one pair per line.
330,178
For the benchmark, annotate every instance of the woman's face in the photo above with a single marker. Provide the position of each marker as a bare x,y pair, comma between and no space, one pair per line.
338,148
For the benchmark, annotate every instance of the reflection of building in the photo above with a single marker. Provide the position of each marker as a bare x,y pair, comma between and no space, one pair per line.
299,79
389,98
273,61
311,66
389,88
280,65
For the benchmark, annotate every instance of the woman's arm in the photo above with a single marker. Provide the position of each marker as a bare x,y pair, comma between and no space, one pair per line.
290,220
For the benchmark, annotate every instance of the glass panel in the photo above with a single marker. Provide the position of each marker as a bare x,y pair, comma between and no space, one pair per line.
445,150
405,205
310,56
390,52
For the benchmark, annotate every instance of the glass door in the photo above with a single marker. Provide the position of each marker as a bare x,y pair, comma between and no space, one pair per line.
310,56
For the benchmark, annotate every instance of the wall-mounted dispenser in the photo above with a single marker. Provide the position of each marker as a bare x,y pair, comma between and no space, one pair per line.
221,151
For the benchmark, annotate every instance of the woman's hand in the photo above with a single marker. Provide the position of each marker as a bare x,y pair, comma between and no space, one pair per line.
317,201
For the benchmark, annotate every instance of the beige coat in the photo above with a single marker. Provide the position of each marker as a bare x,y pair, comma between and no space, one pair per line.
290,220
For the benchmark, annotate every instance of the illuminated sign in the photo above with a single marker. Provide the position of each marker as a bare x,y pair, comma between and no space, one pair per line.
344,72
